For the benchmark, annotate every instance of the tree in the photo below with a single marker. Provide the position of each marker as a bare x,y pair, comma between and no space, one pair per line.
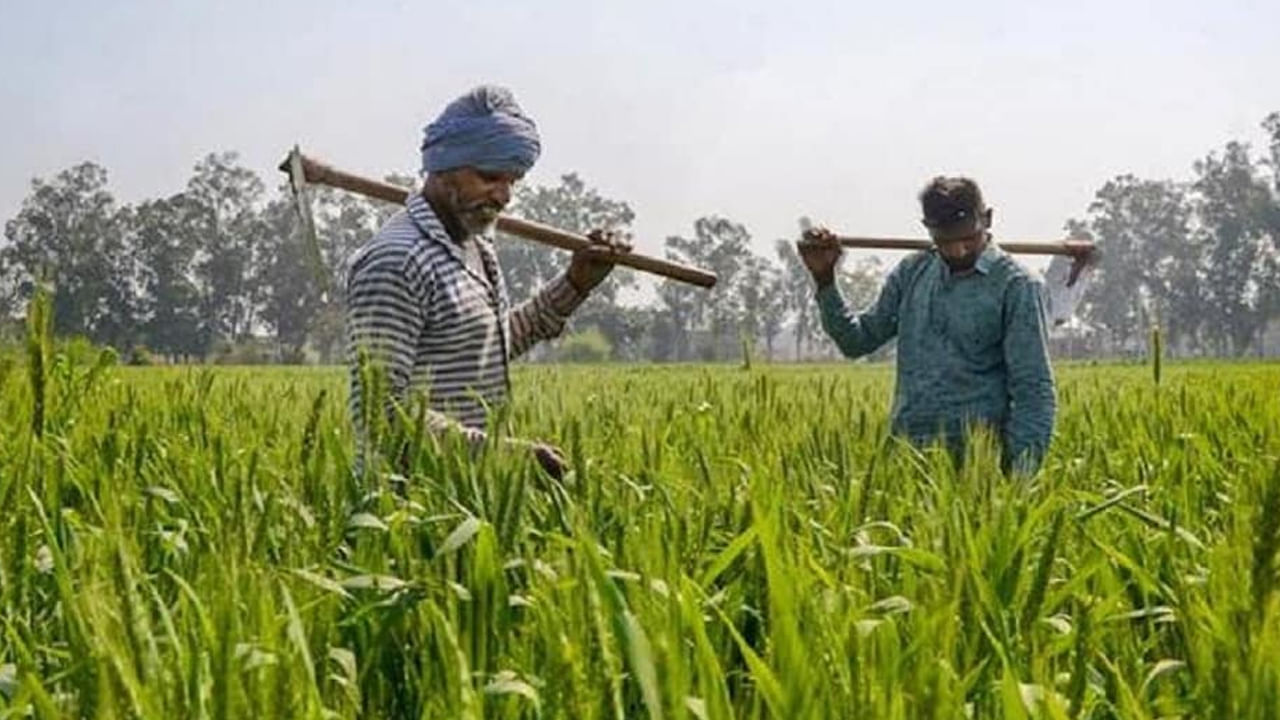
575,207
775,310
293,288
625,327
302,301
571,206
70,234
728,254
169,302
10,288
722,246
798,295
751,292
763,301
1272,127
1233,203
680,313
1271,222
1152,264
383,211
860,281
230,232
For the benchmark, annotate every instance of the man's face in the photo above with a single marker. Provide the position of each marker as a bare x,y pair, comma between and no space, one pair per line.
476,197
960,253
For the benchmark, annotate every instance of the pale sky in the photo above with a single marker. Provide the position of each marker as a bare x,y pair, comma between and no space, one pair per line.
757,111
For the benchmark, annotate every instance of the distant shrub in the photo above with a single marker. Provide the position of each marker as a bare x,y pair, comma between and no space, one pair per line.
141,355
79,350
588,346
247,352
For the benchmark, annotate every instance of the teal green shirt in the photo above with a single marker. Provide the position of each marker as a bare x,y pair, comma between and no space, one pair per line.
971,349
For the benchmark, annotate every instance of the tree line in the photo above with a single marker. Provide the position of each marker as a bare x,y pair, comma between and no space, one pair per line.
1200,256
222,271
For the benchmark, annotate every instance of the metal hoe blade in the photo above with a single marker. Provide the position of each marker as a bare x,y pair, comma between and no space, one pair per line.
311,239
1061,295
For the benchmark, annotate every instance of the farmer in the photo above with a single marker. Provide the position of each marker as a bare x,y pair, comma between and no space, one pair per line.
971,328
425,296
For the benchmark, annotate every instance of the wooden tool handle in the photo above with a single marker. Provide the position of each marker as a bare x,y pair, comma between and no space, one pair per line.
556,237
1072,248
321,174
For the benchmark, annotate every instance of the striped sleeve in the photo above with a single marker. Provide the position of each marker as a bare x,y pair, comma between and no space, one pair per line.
543,316
387,296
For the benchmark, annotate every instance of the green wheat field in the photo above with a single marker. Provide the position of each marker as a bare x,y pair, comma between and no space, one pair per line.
730,543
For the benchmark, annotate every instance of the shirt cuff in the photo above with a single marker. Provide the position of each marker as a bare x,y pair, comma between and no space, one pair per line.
829,297
561,297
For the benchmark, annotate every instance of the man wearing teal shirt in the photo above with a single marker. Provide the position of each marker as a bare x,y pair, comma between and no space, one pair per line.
971,327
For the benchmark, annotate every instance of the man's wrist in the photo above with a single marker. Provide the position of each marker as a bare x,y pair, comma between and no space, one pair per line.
579,286
562,297
824,280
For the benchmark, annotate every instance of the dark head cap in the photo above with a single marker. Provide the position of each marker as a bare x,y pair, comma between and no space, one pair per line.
952,208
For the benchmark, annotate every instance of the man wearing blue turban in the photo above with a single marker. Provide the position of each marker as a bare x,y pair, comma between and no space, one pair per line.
426,299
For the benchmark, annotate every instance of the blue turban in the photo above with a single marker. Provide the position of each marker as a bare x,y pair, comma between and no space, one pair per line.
484,129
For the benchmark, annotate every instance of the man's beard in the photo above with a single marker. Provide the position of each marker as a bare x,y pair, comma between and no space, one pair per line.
966,262
477,218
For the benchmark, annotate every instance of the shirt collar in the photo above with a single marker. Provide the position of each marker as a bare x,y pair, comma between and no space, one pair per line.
429,224
987,257
424,216
433,229
982,266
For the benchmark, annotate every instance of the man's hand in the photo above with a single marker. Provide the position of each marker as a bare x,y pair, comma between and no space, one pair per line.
820,251
592,265
548,456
